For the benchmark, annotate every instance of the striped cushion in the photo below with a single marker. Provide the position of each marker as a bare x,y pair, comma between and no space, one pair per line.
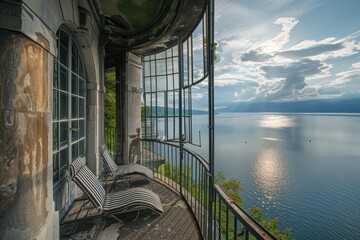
108,161
135,168
117,170
132,198
88,182
76,165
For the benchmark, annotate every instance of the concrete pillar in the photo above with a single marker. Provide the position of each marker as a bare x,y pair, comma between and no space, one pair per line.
132,110
26,201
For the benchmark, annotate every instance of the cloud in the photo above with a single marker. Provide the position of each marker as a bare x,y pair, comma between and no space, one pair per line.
323,50
276,44
254,56
293,78
311,51
356,65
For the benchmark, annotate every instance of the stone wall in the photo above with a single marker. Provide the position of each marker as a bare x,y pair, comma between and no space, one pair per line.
24,136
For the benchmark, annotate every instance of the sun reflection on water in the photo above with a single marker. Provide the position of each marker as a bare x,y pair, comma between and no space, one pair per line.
276,121
269,172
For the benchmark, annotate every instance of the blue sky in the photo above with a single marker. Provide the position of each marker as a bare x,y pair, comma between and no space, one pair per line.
285,50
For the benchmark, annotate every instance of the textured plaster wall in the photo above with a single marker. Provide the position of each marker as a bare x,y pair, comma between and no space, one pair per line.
24,135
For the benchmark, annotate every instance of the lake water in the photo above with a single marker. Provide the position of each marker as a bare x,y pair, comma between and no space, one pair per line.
302,168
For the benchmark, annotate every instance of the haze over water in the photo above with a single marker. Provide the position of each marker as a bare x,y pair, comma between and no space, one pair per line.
302,168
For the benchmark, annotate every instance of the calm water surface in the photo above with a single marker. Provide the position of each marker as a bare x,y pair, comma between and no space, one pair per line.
302,168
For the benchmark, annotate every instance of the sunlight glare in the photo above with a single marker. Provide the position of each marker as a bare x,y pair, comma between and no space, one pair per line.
276,121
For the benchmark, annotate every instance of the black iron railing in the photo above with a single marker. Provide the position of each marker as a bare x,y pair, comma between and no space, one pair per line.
188,174
110,138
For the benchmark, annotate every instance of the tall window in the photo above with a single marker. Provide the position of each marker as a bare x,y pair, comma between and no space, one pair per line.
161,81
68,104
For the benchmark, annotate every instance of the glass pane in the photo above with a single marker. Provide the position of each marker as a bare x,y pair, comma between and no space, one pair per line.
152,68
74,151
74,107
74,130
81,87
186,65
55,105
169,65
176,81
55,78
64,39
81,128
175,50
64,113
170,81
176,65
81,69
161,83
74,84
74,58
160,55
55,166
161,128
161,67
55,136
63,55
64,161
64,79
82,148
147,84
147,69
153,84
148,104
64,130
81,108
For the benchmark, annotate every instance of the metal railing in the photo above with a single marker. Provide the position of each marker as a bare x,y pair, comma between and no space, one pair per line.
189,176
110,138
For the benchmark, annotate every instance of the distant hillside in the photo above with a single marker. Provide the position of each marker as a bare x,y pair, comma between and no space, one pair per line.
170,112
318,106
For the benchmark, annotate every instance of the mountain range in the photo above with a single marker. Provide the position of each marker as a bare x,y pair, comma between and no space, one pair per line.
309,106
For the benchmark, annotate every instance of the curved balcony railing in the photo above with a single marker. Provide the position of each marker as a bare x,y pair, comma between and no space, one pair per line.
188,174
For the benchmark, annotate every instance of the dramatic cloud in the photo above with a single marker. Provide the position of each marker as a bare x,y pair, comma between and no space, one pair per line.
277,43
311,51
254,56
282,50
294,76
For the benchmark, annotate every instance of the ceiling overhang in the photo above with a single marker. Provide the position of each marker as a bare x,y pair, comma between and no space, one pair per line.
146,26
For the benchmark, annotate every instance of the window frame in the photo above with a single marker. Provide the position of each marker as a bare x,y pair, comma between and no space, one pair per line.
69,104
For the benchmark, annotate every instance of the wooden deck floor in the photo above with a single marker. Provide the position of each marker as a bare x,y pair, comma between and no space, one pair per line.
176,222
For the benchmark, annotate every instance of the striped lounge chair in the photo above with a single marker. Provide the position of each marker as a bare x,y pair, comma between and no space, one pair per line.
129,200
118,171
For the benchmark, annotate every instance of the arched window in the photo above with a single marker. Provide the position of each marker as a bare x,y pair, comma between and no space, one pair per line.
69,101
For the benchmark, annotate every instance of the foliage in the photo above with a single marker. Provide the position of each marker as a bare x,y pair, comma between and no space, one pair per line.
270,224
232,188
110,100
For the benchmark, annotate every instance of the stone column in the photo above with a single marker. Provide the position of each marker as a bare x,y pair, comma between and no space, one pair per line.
26,201
132,114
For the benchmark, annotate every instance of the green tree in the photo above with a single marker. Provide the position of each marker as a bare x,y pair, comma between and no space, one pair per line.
233,188
110,99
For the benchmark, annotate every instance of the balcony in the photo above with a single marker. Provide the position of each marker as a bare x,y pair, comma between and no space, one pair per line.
192,208
177,221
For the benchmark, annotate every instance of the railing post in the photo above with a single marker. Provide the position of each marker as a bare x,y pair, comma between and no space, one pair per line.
210,61
181,86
